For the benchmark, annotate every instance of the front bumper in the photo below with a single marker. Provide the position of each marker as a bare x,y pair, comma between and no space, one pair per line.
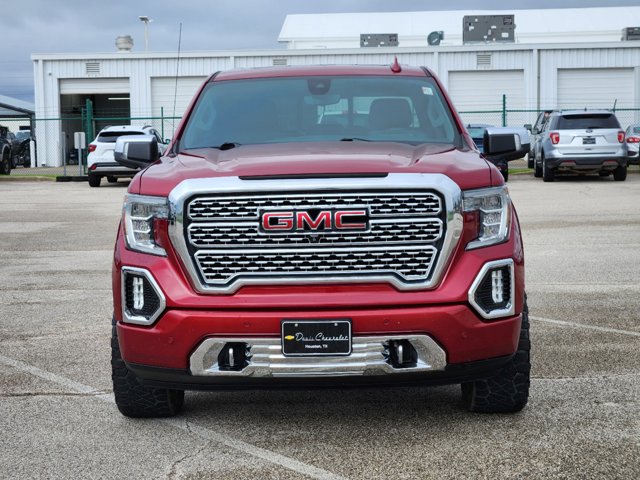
181,343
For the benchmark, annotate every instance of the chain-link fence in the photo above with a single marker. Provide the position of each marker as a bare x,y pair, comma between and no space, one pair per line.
51,151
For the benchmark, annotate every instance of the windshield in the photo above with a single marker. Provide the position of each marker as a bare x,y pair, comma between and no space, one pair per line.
22,135
303,109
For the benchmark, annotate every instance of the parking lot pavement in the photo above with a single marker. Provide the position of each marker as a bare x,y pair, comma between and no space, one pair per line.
58,420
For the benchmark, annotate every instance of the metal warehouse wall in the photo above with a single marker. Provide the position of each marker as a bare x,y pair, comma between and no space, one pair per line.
541,67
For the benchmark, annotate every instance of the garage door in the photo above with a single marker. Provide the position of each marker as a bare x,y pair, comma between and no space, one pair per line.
481,91
595,88
93,86
163,92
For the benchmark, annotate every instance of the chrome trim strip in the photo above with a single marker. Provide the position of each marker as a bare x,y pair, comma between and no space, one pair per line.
266,360
403,182
358,203
505,312
127,316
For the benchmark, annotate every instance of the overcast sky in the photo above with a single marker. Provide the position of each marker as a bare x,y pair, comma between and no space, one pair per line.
69,26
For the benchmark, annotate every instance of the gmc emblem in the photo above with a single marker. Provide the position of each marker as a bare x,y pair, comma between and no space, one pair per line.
314,220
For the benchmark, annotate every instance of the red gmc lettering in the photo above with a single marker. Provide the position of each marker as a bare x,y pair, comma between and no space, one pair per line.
342,223
304,217
283,221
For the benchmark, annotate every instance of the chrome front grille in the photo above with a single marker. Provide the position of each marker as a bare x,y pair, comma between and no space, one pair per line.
408,263
245,234
413,224
380,204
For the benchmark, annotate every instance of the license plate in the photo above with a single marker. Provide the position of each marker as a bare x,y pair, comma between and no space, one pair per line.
588,141
308,338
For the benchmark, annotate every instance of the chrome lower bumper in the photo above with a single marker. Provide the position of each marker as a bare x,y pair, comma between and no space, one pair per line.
370,356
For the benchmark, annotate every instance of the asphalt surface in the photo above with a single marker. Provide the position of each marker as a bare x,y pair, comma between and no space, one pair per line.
58,420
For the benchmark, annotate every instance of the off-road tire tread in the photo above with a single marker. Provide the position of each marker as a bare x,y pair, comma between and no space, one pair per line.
508,390
136,400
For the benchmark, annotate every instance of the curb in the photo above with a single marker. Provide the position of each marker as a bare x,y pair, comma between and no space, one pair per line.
79,178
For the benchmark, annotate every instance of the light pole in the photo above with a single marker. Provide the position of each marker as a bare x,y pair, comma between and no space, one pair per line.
144,19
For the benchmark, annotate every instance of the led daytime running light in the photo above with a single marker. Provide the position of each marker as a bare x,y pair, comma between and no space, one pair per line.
494,214
139,214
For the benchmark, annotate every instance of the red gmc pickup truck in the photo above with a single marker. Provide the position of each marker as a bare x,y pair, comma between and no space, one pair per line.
319,226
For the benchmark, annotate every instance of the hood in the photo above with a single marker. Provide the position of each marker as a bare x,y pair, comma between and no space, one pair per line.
465,167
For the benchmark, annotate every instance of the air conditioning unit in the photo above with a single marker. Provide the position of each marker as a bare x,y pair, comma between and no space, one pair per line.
378,39
488,28
630,33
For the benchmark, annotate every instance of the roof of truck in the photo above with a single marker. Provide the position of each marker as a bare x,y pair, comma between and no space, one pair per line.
319,70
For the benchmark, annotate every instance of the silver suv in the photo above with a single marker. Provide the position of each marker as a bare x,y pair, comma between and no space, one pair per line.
581,141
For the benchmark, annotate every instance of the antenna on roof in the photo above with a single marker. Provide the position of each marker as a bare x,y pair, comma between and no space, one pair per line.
175,90
395,67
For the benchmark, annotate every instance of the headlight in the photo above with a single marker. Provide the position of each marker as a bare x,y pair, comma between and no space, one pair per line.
493,206
140,216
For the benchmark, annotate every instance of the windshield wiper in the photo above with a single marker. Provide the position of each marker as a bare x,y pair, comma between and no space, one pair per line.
355,139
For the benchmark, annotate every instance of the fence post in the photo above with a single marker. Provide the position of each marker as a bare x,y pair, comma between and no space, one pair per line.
89,132
504,110
162,123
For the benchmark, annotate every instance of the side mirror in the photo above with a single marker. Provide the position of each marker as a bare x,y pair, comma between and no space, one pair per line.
136,151
506,143
535,131
528,126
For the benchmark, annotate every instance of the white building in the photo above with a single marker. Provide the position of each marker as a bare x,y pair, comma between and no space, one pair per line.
558,25
602,72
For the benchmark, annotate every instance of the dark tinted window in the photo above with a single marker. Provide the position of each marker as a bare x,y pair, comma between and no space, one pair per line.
585,121
316,109
111,137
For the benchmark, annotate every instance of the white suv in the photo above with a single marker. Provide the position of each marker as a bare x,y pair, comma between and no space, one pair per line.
100,160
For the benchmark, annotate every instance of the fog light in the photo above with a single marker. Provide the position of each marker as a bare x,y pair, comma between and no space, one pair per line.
492,292
142,299
497,293
138,293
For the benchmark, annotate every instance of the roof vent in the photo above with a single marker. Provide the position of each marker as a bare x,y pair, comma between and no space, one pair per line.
92,68
124,43
483,59
279,62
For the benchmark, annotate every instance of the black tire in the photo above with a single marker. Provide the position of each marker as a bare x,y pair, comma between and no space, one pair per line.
507,391
134,399
530,160
94,180
548,175
620,174
5,165
505,174
537,169
111,179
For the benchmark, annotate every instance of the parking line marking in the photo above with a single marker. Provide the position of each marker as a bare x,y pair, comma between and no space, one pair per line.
247,448
588,327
